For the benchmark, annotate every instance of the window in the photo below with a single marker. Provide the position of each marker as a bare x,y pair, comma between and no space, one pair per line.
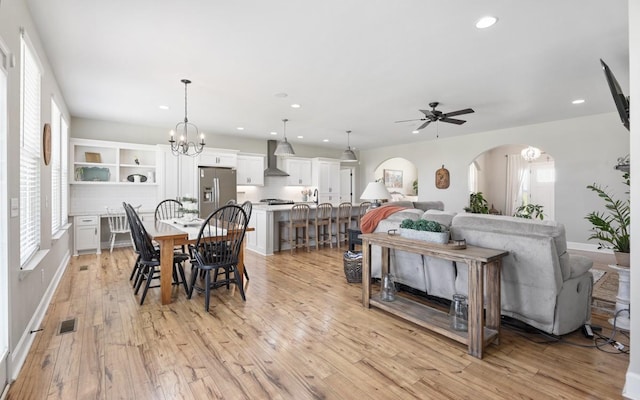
55,168
59,165
30,75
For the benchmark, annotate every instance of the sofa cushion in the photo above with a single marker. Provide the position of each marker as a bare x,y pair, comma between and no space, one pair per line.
441,217
428,205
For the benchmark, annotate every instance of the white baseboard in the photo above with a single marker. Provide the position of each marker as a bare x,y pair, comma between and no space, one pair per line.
19,355
587,247
631,388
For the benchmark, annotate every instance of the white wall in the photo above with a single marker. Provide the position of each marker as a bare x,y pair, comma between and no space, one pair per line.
585,151
409,174
28,291
632,384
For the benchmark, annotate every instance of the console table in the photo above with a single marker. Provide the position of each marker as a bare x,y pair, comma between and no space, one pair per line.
484,266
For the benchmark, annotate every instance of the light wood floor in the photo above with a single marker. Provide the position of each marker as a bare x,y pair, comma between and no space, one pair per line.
301,334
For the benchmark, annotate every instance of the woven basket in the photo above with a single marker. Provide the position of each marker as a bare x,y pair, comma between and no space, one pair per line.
352,269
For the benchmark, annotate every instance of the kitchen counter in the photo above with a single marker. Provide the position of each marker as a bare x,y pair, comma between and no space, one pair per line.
265,220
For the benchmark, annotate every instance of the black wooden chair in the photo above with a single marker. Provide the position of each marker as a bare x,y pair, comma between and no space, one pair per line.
149,263
247,206
217,250
168,209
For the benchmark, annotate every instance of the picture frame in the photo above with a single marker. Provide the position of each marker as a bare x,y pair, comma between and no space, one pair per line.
92,157
393,178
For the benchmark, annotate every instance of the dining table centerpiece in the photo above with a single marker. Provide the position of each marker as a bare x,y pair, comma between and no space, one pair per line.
189,208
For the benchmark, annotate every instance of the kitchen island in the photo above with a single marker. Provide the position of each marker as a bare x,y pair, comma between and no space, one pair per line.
265,220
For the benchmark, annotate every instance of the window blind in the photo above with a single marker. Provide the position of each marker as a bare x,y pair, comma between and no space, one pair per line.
55,168
29,153
64,171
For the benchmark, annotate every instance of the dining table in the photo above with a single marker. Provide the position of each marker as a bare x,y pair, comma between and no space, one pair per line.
176,232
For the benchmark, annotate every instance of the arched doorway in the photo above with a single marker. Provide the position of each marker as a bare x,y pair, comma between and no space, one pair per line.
509,179
400,177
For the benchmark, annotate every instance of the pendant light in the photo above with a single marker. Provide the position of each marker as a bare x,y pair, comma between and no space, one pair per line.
185,146
284,148
348,155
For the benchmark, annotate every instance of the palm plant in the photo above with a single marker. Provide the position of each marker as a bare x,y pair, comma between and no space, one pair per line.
611,229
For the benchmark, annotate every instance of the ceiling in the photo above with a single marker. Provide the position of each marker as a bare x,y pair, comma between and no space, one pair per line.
354,65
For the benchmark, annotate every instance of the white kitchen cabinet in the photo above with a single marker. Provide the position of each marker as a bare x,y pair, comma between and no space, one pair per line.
261,240
299,170
86,233
218,158
177,175
250,171
326,178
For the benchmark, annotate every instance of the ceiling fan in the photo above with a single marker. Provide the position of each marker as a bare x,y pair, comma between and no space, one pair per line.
435,115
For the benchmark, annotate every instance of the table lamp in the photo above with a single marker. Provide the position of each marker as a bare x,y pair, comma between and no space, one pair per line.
375,191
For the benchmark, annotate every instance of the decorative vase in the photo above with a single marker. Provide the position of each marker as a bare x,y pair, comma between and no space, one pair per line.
622,259
458,313
304,197
388,290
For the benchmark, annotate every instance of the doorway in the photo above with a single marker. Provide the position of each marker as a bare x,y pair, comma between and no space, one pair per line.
4,247
347,185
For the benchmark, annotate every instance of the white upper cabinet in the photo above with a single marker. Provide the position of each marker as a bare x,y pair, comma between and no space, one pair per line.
250,171
299,170
218,158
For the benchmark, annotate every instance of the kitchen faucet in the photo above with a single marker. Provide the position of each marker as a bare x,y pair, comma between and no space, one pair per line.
315,196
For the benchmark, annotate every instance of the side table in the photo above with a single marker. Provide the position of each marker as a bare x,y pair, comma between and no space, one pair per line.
353,238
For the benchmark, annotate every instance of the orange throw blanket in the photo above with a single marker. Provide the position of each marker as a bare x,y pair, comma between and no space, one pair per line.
370,220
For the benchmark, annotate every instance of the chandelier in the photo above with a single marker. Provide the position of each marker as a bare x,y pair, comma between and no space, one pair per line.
284,148
183,146
348,155
530,153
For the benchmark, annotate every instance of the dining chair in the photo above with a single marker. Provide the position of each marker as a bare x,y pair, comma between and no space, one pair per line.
150,258
118,224
322,224
247,206
167,209
217,250
137,267
343,222
363,208
298,219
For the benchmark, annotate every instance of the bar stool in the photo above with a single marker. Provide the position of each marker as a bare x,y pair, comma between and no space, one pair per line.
323,225
343,223
298,219
364,207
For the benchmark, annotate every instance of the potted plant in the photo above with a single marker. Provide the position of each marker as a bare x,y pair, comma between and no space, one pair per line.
611,229
477,204
423,229
530,211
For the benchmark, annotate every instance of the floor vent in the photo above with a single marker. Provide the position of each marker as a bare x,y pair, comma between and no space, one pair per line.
67,326
84,267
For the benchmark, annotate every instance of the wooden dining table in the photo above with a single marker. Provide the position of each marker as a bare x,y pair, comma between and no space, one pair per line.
169,235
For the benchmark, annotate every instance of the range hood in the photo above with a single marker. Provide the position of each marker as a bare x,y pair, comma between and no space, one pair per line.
272,169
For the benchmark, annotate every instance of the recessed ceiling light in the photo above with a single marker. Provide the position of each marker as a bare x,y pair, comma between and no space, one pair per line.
240,128
273,133
300,137
415,132
295,106
578,101
163,107
282,95
325,140
486,22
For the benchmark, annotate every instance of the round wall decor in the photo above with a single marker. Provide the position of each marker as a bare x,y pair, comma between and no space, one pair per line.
46,143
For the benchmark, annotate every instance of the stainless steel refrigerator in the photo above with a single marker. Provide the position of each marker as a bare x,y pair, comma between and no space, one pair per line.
217,186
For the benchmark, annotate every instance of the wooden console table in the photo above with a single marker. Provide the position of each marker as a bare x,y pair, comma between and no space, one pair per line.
484,266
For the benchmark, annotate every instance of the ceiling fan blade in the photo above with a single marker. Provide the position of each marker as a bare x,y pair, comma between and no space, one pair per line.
459,112
423,125
453,121
428,113
410,120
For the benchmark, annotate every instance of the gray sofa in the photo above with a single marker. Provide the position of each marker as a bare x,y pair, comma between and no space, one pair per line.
541,284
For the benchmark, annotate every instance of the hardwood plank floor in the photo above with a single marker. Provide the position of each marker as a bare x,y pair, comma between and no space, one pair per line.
301,334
